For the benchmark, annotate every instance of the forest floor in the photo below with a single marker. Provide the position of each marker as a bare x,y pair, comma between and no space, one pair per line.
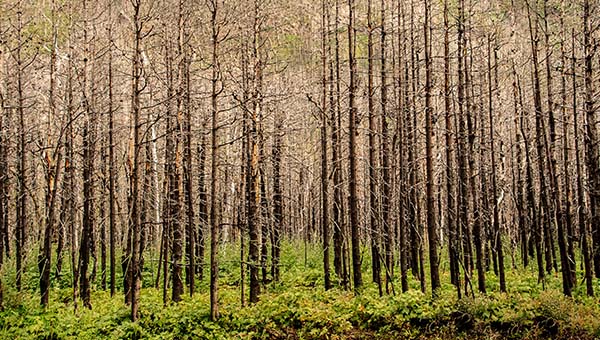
298,307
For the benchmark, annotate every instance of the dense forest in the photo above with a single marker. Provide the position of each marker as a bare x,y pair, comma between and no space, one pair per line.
333,168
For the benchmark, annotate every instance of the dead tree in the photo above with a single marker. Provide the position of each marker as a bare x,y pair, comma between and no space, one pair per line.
432,236
352,130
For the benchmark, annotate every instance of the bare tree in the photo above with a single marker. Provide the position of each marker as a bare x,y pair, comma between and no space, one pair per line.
353,199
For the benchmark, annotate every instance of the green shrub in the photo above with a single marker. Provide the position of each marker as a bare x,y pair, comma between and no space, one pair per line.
298,307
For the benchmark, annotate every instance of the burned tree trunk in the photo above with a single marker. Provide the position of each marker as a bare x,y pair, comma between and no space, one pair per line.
352,130
373,197
592,155
324,165
432,236
214,217
582,223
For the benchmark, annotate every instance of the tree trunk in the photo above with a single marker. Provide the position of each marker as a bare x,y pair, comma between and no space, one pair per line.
401,127
214,218
111,165
519,189
339,232
591,137
188,166
353,132
88,137
555,206
463,179
542,229
432,236
277,200
254,226
21,204
324,167
202,207
567,218
416,243
581,216
4,125
53,166
373,199
385,164
134,271
450,204
497,239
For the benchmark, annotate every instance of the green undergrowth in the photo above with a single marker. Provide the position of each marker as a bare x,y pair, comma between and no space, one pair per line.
299,308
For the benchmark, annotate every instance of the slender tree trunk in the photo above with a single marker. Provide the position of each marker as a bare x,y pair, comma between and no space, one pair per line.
373,199
88,137
471,201
339,230
264,207
497,239
434,260
175,226
324,166
541,229
166,234
416,243
202,206
385,164
185,84
111,164
134,272
352,130
4,116
70,197
254,226
402,112
21,204
567,219
581,216
555,206
214,218
463,179
479,189
246,166
337,242
3,190
519,190
53,166
450,203
528,189
102,210
591,136
277,200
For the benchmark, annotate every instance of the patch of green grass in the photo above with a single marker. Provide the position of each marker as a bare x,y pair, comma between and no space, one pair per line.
298,307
